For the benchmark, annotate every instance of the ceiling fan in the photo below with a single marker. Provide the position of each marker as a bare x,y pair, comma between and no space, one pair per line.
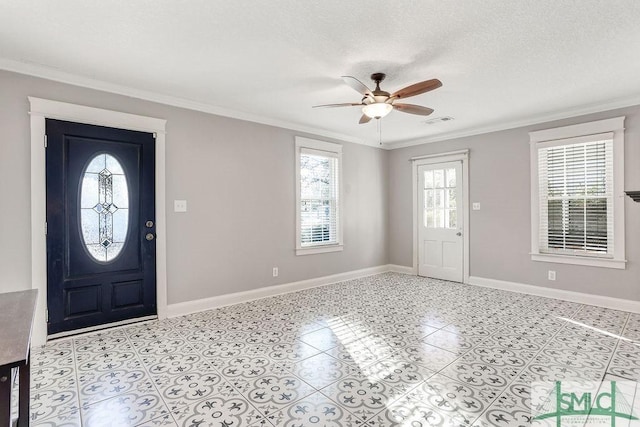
378,103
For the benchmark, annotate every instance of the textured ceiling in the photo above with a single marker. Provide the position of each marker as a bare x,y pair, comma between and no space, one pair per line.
502,63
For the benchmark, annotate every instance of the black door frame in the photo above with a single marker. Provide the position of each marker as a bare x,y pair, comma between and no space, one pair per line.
41,109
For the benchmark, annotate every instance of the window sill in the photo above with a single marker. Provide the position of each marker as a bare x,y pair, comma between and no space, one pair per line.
318,249
620,264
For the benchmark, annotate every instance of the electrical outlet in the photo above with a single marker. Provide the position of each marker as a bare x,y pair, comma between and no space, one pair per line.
552,275
275,271
179,205
475,206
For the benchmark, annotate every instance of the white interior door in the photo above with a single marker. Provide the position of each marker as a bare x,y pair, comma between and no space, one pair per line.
440,217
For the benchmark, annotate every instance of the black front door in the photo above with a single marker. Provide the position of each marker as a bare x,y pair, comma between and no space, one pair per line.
100,225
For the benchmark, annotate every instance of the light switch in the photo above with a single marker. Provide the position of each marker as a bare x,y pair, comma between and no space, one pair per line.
179,205
476,206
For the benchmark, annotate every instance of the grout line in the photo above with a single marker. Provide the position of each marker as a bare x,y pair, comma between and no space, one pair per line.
151,378
77,369
227,380
518,372
543,347
618,341
76,387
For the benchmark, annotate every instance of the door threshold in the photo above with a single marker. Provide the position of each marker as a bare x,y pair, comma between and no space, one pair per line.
101,327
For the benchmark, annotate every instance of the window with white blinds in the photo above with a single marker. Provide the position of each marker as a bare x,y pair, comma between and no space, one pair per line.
576,197
318,196
576,171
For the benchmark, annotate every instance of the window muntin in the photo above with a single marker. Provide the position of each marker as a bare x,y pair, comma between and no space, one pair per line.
104,207
318,198
440,210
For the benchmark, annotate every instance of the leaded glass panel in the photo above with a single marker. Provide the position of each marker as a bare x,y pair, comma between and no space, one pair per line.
104,207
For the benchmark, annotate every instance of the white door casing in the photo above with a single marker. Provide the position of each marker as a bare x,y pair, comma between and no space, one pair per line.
440,216
42,109
440,248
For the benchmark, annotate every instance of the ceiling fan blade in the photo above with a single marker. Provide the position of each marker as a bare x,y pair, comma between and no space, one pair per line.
346,104
364,119
417,89
413,109
357,85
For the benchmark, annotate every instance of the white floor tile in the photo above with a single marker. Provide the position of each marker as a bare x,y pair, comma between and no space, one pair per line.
385,350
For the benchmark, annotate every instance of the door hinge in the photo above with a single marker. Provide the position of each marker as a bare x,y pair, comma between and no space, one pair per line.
45,141
45,228
46,313
155,135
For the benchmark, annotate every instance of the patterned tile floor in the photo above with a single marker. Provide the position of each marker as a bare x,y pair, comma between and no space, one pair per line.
386,350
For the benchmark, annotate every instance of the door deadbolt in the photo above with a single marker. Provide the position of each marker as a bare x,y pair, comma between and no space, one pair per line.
458,234
149,236
149,224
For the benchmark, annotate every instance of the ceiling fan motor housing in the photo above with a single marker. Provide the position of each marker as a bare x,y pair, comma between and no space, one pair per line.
379,95
378,77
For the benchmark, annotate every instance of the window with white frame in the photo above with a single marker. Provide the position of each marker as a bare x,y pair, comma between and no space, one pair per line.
318,196
577,200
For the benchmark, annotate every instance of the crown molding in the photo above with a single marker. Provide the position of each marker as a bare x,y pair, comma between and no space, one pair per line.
48,73
514,124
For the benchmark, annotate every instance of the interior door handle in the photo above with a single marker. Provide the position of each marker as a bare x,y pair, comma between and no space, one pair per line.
459,233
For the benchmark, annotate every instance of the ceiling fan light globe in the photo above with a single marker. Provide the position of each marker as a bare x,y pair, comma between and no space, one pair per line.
377,110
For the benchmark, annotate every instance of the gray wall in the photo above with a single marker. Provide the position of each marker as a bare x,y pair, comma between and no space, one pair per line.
226,168
500,233
238,178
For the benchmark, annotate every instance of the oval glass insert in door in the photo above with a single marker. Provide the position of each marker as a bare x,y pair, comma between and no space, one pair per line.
104,207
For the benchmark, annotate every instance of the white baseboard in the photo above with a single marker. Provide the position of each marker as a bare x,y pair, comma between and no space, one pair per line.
188,307
401,269
579,297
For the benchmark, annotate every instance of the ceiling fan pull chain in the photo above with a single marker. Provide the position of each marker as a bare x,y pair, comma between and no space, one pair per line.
380,131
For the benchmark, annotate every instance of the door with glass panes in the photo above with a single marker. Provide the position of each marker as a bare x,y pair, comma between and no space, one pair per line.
101,251
440,242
